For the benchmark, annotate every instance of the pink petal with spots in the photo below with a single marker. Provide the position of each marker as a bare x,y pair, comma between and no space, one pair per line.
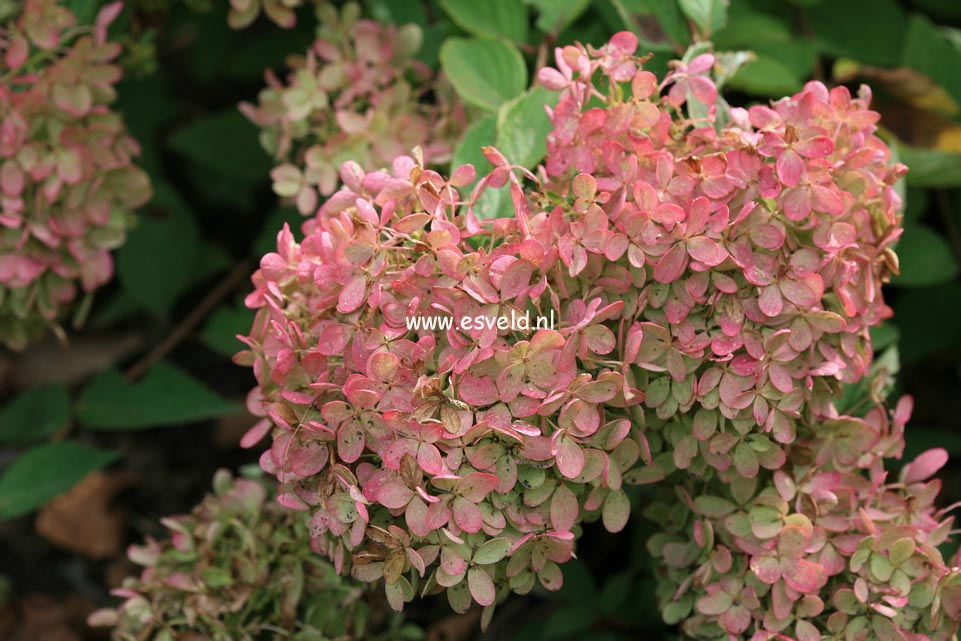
707,251
797,203
671,265
466,515
352,296
789,167
569,456
816,147
770,301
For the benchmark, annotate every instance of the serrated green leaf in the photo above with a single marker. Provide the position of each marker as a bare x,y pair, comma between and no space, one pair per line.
34,414
490,19
485,73
165,396
45,472
523,126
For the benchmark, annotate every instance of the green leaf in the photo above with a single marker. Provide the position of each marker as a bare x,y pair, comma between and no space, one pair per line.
931,168
946,9
871,31
491,18
148,106
494,203
884,335
397,11
435,35
485,73
747,25
523,126
156,265
767,36
224,142
658,24
765,76
925,258
212,260
83,10
927,50
553,16
468,151
165,396
220,331
708,15
34,414
45,472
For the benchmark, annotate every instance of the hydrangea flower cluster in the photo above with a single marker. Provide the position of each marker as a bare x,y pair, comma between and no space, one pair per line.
281,12
827,547
763,244
67,178
240,567
466,457
358,94
715,272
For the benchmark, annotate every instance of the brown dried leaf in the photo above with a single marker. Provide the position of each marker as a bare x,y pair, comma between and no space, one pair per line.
81,520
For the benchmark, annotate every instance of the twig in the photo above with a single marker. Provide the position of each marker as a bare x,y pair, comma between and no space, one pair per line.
191,320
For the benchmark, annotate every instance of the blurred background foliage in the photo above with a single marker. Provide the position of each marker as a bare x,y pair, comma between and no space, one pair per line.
146,394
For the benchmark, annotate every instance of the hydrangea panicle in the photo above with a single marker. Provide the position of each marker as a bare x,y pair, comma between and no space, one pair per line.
715,285
66,165
357,94
239,567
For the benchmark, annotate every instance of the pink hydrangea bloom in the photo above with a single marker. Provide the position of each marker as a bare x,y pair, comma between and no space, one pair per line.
67,178
715,286
469,452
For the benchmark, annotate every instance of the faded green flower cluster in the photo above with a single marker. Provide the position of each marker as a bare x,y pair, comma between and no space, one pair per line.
240,568
358,94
